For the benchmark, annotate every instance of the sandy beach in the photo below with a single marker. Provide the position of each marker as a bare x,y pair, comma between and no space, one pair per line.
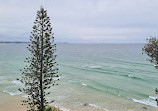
12,103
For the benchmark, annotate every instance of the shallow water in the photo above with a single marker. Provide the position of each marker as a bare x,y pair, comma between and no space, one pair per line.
89,72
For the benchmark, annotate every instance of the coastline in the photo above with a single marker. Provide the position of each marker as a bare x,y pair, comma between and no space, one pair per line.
12,103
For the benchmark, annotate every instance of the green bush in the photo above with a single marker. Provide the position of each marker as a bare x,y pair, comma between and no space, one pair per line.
48,109
52,109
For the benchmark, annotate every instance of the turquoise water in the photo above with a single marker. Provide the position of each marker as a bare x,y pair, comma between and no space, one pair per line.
88,69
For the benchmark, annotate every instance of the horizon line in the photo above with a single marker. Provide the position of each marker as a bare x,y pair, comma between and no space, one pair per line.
77,42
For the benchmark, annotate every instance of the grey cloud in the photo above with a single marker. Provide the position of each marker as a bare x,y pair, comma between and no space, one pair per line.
82,20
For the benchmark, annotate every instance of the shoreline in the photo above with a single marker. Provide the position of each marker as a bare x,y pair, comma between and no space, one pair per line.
12,103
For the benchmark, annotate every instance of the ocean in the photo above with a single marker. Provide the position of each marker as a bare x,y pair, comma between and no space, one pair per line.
105,76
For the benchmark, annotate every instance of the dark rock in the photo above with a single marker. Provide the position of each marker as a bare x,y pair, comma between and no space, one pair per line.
85,104
144,107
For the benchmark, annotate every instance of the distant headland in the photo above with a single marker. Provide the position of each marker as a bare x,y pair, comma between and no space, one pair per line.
9,42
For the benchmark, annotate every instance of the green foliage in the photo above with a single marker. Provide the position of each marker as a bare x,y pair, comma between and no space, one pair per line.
41,66
156,90
48,109
151,49
56,109
52,109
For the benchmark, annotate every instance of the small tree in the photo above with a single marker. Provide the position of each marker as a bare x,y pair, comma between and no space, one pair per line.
151,49
41,68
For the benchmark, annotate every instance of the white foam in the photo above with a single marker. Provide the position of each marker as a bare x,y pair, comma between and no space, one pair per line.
91,66
156,66
94,67
146,102
131,76
11,93
84,84
18,83
93,105
152,97
2,79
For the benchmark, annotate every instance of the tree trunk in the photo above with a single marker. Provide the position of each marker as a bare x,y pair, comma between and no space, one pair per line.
41,71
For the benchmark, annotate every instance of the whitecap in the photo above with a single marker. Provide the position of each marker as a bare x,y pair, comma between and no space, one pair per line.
152,97
146,102
83,84
92,66
131,76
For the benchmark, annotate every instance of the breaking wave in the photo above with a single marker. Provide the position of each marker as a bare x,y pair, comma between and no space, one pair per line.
18,83
12,94
132,76
83,84
92,66
148,101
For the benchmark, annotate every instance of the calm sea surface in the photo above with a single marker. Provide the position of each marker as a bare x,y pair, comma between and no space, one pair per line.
88,71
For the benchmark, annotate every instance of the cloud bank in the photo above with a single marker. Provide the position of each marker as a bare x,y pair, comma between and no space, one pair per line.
86,21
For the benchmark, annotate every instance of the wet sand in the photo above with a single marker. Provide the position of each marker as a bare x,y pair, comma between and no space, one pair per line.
12,103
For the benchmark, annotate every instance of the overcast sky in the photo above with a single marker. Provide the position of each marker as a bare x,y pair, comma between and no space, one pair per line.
87,21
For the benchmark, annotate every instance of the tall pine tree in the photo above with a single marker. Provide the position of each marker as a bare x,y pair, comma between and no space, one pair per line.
41,66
